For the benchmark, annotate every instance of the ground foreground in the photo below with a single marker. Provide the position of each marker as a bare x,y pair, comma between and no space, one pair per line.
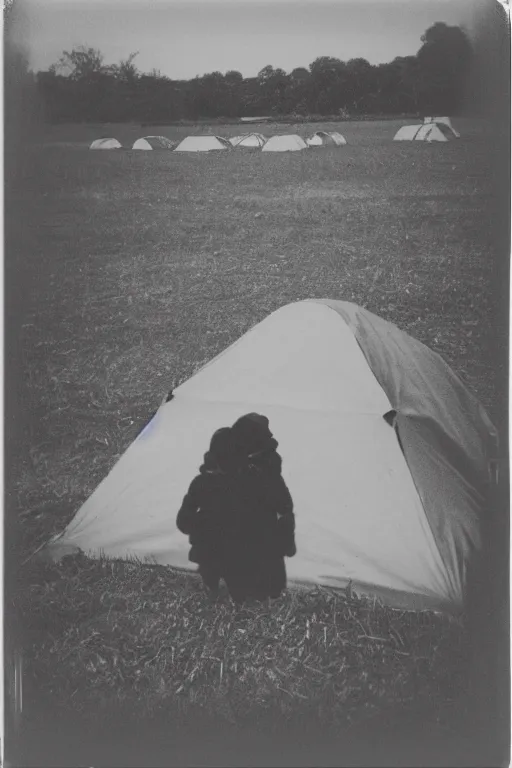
132,270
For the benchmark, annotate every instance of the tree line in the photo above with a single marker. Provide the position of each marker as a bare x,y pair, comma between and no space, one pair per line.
81,87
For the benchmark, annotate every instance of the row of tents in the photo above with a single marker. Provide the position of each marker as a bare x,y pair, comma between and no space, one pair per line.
432,129
280,143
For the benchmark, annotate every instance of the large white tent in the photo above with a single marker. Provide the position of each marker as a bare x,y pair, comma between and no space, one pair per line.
326,139
425,132
433,132
284,143
154,142
249,141
385,452
406,133
202,144
105,144
441,122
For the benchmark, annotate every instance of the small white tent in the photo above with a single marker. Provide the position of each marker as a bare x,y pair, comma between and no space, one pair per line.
406,133
326,139
432,132
442,121
249,141
425,132
385,453
284,143
154,142
105,144
202,144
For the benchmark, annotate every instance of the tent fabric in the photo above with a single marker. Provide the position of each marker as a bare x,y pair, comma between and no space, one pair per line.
431,132
202,144
407,133
105,144
326,139
443,121
154,142
447,437
448,132
249,140
397,522
284,143
426,132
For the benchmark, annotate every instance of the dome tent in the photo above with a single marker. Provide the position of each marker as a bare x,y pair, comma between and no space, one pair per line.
326,139
154,142
385,454
105,144
249,141
406,133
433,132
425,132
445,125
202,144
284,143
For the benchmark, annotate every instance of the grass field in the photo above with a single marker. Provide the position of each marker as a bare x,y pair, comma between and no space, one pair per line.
133,269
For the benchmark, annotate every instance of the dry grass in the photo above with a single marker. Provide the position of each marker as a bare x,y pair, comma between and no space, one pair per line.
110,639
138,268
148,639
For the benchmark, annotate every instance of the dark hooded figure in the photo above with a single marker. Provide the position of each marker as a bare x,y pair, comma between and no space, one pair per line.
269,520
208,508
238,513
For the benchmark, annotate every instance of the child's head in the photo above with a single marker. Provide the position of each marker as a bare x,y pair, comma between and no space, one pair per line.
252,433
223,451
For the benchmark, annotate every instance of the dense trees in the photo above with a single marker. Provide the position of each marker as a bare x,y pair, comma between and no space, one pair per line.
81,87
443,64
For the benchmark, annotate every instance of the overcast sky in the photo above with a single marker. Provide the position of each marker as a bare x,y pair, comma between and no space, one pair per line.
184,39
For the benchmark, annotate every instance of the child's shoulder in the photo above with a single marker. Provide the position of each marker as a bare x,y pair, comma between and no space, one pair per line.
197,483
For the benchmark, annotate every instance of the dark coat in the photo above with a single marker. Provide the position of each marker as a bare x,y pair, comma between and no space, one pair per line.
206,515
239,517
256,442
249,512
266,482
